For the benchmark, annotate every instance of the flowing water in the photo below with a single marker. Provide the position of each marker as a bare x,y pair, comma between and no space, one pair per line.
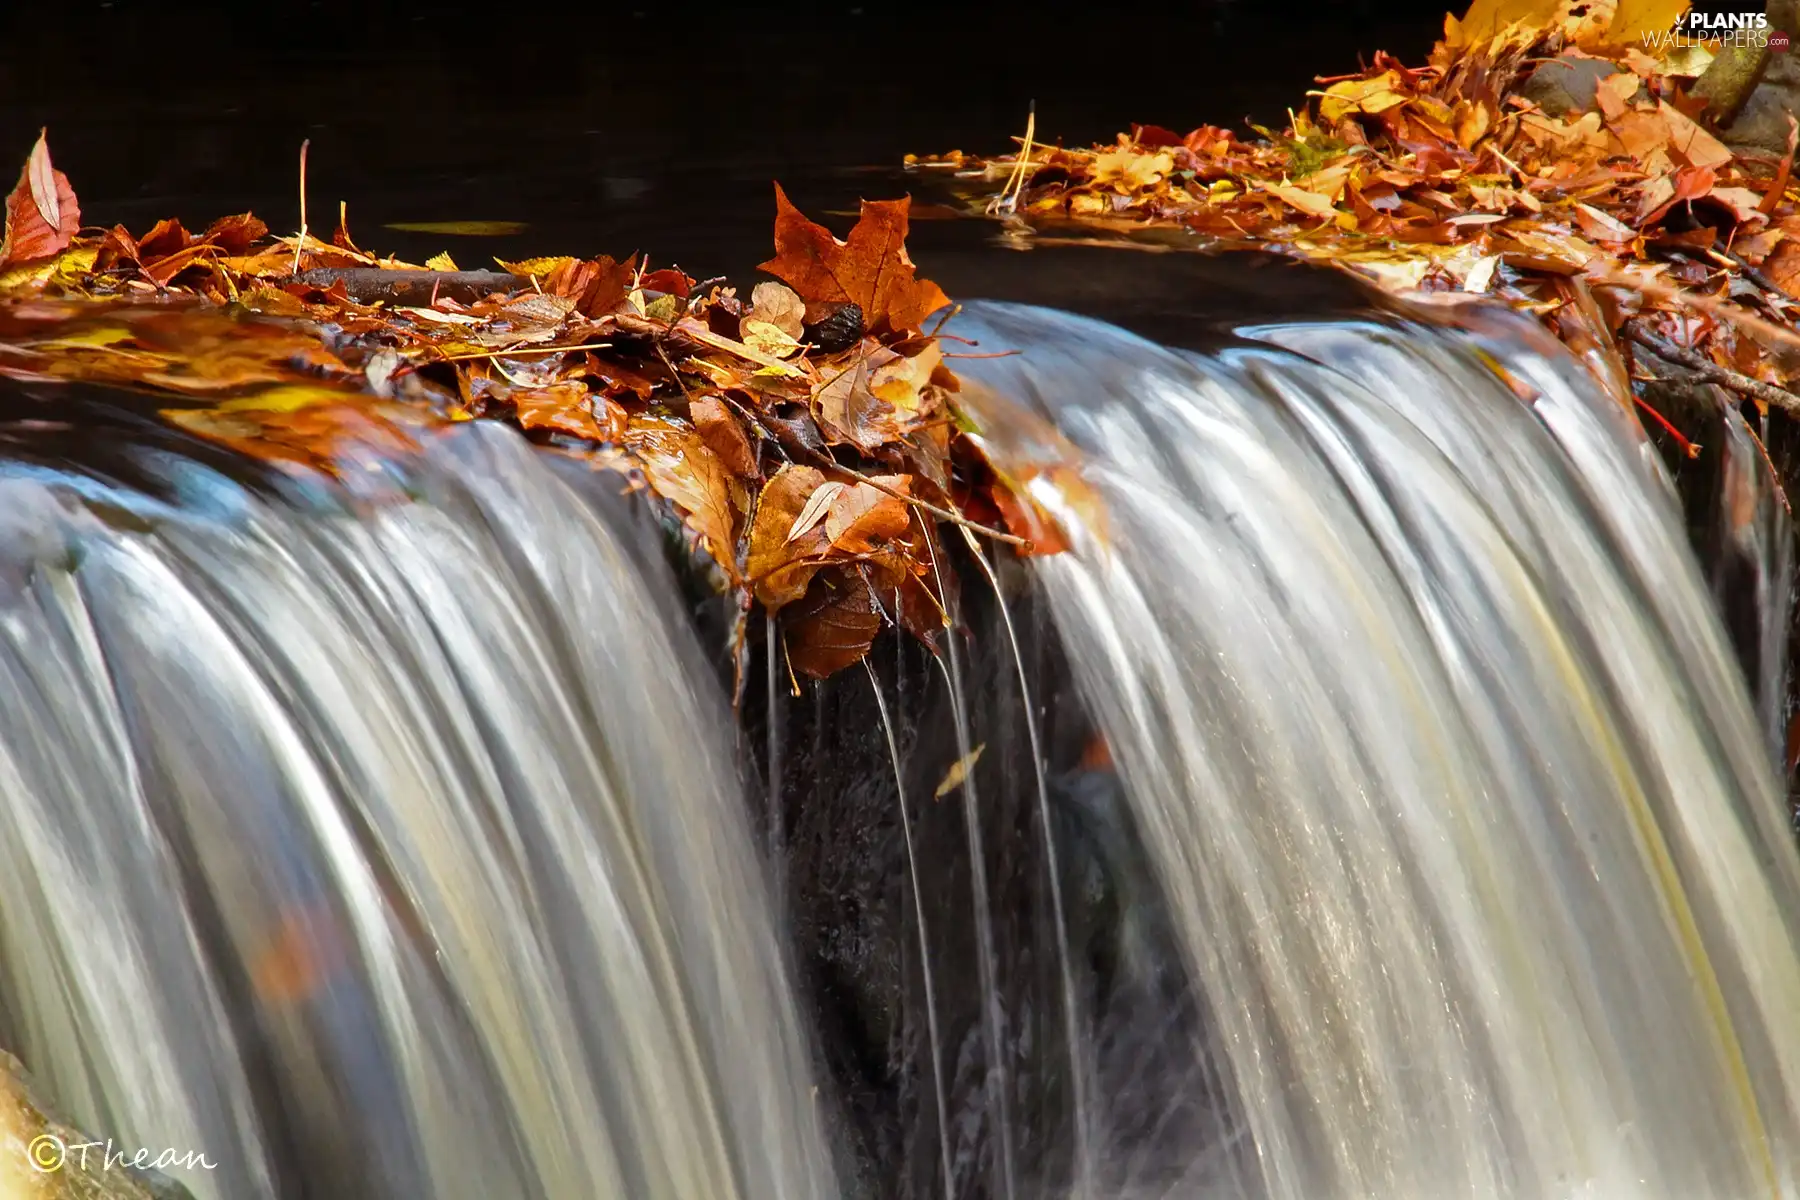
395,847
393,840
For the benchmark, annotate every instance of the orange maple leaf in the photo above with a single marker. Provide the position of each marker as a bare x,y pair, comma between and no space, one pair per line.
870,270
42,216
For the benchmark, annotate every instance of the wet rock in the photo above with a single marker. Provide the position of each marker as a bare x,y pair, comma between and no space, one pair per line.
40,1157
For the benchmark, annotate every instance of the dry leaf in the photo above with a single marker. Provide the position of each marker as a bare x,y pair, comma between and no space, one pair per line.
830,627
681,468
813,515
1310,203
1127,170
42,215
958,772
1699,147
778,305
1375,95
870,269
780,567
1632,20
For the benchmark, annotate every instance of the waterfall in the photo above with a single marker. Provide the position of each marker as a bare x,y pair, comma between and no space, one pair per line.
1452,787
389,835
387,845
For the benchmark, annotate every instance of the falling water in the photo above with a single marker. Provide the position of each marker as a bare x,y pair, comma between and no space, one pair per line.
384,842
1451,784
382,838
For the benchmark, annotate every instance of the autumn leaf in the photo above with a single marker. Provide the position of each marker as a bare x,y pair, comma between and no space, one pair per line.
870,269
1700,148
1126,170
958,773
1487,18
1632,20
681,468
568,408
1310,203
1375,95
817,505
779,306
723,434
42,215
832,626
865,517
780,567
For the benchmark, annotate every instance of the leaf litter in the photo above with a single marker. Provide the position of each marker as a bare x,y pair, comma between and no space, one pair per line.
1609,208
803,442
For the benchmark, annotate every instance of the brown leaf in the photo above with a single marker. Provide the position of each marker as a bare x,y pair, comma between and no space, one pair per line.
681,468
165,238
568,408
778,305
724,434
234,235
777,566
870,269
864,516
848,409
596,285
42,215
1700,148
832,626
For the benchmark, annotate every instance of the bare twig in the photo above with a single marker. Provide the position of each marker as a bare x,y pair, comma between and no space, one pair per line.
1711,372
301,240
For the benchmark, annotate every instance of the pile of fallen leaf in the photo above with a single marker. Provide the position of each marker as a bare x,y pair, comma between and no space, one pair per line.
1552,153
803,435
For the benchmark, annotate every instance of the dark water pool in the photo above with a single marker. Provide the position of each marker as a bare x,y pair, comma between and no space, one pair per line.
618,127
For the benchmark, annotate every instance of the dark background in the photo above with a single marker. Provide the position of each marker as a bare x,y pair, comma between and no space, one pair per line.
614,128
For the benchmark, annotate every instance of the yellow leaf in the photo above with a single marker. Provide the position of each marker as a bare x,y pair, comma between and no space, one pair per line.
1129,170
1701,148
440,262
1486,18
958,772
768,338
1634,19
1310,203
1361,95
287,398
539,268
1481,275
460,228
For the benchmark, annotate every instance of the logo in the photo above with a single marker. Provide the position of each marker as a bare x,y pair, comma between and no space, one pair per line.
1717,26
48,1154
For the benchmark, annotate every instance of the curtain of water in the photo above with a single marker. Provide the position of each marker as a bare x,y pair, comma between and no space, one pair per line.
389,848
1450,781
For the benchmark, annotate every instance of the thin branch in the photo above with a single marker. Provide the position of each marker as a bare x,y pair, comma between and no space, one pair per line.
1711,372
